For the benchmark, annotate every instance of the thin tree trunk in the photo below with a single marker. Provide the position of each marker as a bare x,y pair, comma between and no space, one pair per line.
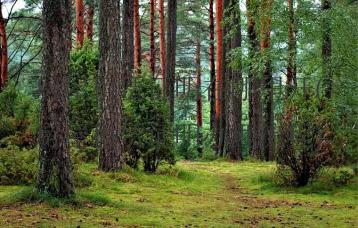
199,104
255,104
292,50
234,96
268,114
152,38
170,55
219,69
212,64
137,37
90,20
110,131
80,22
128,44
327,49
4,57
55,162
162,42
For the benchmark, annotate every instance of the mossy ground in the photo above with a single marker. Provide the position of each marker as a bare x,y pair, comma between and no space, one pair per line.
198,194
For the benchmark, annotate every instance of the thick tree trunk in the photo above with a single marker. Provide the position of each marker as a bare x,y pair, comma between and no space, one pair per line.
268,114
90,20
152,38
234,129
327,49
137,37
55,162
255,104
4,57
162,42
80,22
110,131
128,44
219,70
212,64
170,55
199,104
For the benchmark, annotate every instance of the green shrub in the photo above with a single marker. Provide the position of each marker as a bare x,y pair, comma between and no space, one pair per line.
310,122
18,166
148,131
342,178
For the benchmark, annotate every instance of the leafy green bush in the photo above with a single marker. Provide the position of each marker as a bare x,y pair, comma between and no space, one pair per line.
148,132
310,122
83,96
18,166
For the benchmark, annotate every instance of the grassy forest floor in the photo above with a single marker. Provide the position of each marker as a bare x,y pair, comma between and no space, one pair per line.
204,194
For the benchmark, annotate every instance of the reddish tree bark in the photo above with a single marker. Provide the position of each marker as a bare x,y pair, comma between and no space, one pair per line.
137,39
90,20
199,104
80,22
219,66
152,38
212,64
268,114
128,44
4,57
162,41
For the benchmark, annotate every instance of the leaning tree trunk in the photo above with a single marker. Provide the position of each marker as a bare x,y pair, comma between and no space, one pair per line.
90,20
170,55
80,23
137,37
151,35
199,103
268,114
219,70
128,44
162,42
234,129
110,131
212,64
55,162
255,104
3,57
326,49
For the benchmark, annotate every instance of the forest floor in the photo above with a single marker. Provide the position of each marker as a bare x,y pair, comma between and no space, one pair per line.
192,194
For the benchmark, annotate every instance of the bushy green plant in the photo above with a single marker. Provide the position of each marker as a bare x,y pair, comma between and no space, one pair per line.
83,96
148,131
310,121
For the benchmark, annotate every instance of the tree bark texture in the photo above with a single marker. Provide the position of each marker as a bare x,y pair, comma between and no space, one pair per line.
90,20
137,36
212,64
162,42
55,163
110,131
128,44
4,51
199,104
292,50
170,55
152,37
327,49
80,22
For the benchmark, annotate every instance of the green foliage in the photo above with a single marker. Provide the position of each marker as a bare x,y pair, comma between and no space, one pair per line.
310,123
18,166
83,96
148,132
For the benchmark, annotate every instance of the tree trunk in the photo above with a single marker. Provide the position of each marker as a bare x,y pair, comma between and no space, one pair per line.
90,20
170,55
219,68
162,42
268,114
212,64
4,57
292,51
137,39
255,104
327,49
233,137
128,44
199,104
110,131
80,22
55,163
152,38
